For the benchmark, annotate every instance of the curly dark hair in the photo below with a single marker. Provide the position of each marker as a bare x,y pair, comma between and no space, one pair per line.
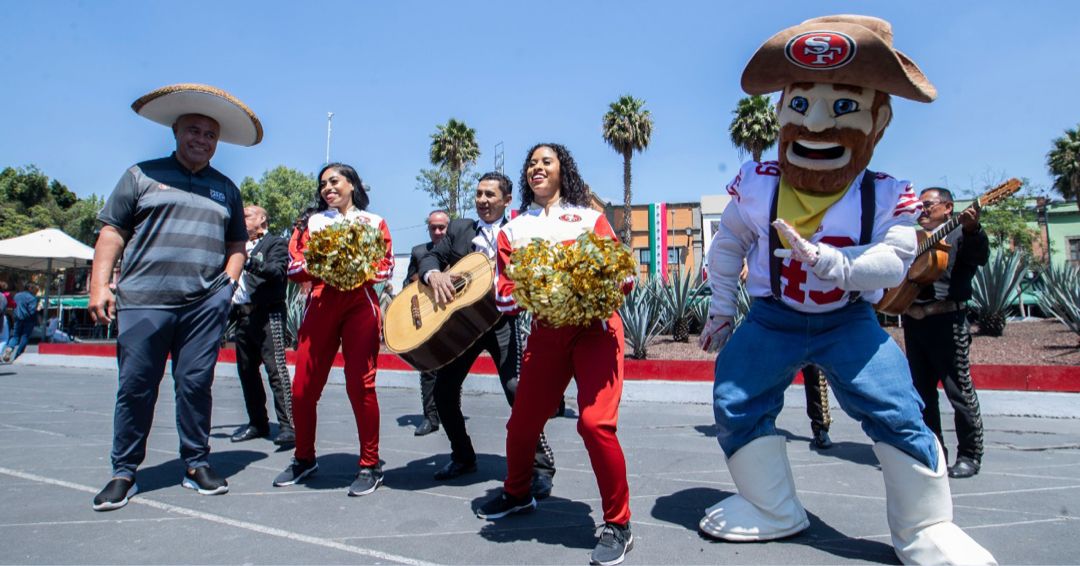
359,196
572,188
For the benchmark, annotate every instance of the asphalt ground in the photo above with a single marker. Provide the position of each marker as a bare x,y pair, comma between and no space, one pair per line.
55,434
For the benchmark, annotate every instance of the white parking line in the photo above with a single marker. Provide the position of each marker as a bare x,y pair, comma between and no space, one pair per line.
246,525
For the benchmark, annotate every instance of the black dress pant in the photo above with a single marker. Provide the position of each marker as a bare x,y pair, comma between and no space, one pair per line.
937,351
427,396
503,343
817,398
260,340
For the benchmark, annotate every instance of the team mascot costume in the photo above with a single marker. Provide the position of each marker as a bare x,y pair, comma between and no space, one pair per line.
822,237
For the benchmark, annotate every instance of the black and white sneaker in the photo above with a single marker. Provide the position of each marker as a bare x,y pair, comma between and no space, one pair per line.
615,541
367,481
298,470
205,481
503,505
115,494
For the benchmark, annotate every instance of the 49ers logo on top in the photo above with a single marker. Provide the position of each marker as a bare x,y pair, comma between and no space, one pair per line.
570,218
820,50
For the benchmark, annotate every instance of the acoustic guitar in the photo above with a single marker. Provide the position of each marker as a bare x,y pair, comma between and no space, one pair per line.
932,254
428,335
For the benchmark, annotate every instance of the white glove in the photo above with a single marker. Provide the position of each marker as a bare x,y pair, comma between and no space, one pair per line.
801,250
716,333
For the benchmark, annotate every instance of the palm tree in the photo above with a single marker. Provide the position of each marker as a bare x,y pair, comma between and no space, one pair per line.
755,127
1064,164
627,128
454,147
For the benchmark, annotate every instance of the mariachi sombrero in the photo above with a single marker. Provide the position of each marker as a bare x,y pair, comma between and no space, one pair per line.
845,49
238,123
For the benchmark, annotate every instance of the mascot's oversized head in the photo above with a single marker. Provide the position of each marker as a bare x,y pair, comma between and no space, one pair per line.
836,74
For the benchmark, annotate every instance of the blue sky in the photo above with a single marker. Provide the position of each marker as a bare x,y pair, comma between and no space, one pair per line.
519,73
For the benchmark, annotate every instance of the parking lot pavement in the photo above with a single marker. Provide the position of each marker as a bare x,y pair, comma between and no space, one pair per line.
55,434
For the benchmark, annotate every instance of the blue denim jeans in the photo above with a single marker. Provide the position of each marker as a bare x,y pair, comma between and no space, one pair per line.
20,335
866,369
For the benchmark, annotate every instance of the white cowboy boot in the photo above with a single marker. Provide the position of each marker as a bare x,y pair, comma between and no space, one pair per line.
919,507
766,507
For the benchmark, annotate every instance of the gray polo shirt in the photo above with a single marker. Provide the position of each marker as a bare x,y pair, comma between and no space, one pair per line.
179,222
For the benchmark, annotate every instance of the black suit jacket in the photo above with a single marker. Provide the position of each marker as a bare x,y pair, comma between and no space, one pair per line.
264,271
456,245
414,261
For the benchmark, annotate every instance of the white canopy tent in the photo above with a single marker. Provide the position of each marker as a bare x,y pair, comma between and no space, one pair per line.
44,250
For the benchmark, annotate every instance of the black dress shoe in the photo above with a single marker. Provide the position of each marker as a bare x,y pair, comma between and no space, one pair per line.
964,468
425,428
541,486
248,432
453,469
285,437
821,440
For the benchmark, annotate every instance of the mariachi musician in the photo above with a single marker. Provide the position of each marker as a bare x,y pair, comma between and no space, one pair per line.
936,332
503,341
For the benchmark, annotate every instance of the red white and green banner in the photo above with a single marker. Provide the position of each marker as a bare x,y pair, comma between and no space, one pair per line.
658,240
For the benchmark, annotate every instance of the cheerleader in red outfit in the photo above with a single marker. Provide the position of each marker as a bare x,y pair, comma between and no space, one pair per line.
349,319
555,208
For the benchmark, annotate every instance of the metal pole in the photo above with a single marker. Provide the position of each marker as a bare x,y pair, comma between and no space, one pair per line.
48,283
329,127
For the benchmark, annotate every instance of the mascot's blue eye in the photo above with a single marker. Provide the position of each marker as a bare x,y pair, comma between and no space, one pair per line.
844,106
799,104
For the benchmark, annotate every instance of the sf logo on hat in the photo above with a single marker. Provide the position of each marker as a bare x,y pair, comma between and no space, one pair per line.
820,50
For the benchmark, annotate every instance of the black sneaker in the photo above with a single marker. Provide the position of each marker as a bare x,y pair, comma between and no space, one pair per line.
205,481
614,543
115,494
367,481
298,470
503,505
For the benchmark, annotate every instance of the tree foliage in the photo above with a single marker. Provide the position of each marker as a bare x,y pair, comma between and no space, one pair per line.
439,184
283,192
29,201
755,126
1064,164
627,128
453,148
1007,226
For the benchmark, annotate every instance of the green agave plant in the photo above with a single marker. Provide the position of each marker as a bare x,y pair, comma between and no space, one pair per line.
295,303
642,320
678,299
1060,295
742,306
994,288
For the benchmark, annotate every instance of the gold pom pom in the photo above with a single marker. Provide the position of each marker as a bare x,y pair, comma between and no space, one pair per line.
345,255
571,284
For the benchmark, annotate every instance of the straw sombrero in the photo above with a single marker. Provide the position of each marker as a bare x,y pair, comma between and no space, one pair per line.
239,125
844,49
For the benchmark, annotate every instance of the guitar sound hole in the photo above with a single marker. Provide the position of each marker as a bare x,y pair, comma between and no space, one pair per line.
463,284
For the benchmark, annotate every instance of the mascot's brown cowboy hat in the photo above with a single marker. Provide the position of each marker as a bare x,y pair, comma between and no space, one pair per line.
238,123
844,49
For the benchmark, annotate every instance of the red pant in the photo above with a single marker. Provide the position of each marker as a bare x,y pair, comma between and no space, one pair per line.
352,320
594,357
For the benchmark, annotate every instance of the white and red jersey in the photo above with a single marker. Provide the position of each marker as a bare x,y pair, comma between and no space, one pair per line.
561,223
844,267
318,221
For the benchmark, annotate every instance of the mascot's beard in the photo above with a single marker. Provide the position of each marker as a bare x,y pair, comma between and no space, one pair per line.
826,181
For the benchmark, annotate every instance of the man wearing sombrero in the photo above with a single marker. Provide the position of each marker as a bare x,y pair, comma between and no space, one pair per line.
180,226
822,236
